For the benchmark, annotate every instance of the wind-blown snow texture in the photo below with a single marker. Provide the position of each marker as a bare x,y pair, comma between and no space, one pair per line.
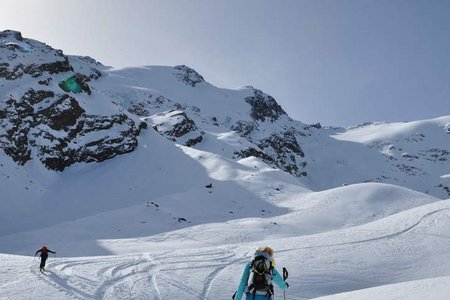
151,183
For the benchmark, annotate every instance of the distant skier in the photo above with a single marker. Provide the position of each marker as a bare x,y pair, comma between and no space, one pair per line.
257,277
44,255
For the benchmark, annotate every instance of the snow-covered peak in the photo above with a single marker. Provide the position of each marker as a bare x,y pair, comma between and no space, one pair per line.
10,35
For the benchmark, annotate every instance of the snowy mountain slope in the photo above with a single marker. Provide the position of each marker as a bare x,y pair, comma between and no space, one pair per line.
419,150
152,183
130,180
289,210
410,154
408,246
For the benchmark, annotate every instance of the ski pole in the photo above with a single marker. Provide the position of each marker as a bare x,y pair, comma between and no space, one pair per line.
285,276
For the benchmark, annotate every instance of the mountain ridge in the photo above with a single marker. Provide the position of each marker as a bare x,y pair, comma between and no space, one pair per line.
42,120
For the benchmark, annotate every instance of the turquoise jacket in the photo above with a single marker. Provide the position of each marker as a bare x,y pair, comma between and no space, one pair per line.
277,279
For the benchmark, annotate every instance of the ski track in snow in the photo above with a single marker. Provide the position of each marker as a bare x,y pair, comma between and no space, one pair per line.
60,284
142,276
395,234
131,277
125,273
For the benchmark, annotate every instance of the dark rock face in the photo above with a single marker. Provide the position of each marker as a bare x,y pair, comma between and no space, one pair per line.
181,128
139,109
57,131
245,128
444,188
188,76
20,57
106,147
52,68
62,114
264,107
283,143
256,153
49,123
194,141
150,105
281,150
45,81
12,72
11,33
176,126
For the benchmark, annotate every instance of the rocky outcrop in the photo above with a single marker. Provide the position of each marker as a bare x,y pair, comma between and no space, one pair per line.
245,128
56,129
286,152
280,150
176,126
20,57
69,150
50,123
264,107
12,72
188,76
6,34
256,153
277,148
17,57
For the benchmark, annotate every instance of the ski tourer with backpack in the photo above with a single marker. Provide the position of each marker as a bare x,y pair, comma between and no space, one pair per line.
44,255
258,277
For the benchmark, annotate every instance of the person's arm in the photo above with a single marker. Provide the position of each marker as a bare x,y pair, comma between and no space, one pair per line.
37,252
51,251
243,282
278,279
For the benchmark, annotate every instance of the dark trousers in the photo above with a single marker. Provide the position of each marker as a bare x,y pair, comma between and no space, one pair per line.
43,260
250,296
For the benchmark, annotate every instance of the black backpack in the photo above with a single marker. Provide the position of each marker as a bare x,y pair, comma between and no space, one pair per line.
260,278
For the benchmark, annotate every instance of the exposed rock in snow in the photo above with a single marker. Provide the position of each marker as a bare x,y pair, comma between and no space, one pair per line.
264,107
43,118
188,76
177,127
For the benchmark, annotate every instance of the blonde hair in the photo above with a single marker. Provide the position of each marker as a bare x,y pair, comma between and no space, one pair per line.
266,249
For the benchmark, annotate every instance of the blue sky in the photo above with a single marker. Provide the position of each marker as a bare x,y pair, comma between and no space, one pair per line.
338,62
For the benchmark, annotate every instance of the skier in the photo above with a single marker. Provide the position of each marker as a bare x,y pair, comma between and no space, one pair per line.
44,255
257,277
